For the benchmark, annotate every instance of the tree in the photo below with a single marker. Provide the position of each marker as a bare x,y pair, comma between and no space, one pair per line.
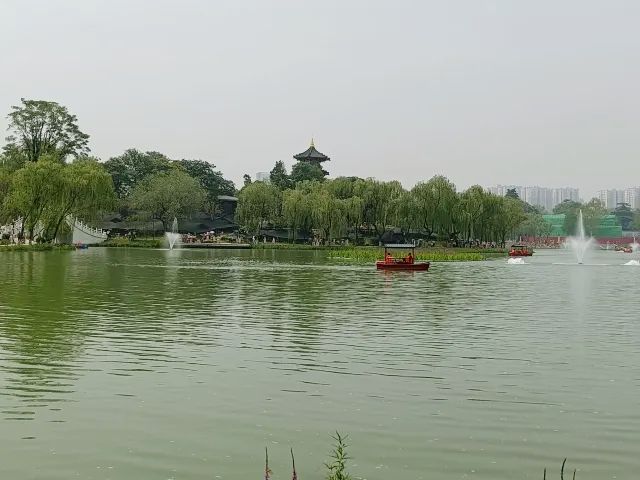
306,171
246,179
508,216
535,225
84,189
12,159
258,203
377,203
434,202
635,224
593,212
404,209
33,188
130,168
512,193
279,177
166,195
41,128
570,210
624,215
211,180
296,211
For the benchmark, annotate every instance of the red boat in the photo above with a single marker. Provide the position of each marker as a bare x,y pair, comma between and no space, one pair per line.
406,263
520,251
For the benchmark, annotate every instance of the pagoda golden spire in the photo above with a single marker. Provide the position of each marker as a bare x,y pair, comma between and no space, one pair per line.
312,142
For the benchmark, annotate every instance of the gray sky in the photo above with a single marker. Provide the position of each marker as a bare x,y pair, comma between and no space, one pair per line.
525,92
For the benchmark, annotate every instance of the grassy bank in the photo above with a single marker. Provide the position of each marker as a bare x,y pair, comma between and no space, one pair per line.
36,247
371,254
123,242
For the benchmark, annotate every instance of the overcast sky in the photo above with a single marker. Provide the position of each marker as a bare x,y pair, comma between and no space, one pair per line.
524,92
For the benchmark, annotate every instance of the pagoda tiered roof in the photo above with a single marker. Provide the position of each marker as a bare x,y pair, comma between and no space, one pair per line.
311,155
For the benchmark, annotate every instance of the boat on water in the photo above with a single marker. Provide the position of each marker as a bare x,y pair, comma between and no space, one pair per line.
519,250
404,263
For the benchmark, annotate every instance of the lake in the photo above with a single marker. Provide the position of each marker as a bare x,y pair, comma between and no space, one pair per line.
156,364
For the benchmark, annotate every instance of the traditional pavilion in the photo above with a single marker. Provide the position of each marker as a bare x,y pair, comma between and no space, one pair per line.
311,155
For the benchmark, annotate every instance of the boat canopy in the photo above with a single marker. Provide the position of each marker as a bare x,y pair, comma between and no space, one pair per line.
400,245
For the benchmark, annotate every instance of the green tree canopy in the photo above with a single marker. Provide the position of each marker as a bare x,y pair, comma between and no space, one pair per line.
306,171
258,204
434,202
512,193
130,168
211,180
166,195
624,215
40,128
279,177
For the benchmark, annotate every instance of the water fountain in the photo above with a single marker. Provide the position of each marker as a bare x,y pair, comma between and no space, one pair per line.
173,236
634,249
580,243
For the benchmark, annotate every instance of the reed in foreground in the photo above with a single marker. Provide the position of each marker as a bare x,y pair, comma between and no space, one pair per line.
336,467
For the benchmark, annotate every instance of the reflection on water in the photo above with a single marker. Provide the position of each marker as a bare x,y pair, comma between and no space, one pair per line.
184,364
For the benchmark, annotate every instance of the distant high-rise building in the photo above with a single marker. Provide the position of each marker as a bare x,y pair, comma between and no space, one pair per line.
502,190
632,197
263,177
611,198
543,197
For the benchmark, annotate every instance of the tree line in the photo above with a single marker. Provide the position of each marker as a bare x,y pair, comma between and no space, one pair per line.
46,174
351,207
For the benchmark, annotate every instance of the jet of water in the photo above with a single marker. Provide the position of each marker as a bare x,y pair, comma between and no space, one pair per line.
173,236
580,243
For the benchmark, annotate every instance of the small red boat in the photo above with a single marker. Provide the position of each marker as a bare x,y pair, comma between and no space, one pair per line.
406,263
520,251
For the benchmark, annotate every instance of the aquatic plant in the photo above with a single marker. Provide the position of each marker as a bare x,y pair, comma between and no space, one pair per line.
364,254
293,463
35,247
544,474
337,467
137,243
267,470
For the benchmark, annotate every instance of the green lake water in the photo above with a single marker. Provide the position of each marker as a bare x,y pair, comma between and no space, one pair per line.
153,364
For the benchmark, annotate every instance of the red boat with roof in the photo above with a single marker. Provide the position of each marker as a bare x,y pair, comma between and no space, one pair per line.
520,251
406,263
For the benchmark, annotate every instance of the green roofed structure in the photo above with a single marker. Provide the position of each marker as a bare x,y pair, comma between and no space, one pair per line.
557,225
608,228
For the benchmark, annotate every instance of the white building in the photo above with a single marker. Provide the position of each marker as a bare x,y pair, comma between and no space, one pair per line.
632,197
263,177
611,198
544,197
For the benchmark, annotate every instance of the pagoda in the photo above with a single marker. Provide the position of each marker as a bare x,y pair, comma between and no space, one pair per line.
311,155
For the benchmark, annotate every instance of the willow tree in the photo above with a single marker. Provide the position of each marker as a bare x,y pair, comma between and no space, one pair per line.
83,189
32,189
472,203
434,203
404,213
258,204
296,211
377,203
